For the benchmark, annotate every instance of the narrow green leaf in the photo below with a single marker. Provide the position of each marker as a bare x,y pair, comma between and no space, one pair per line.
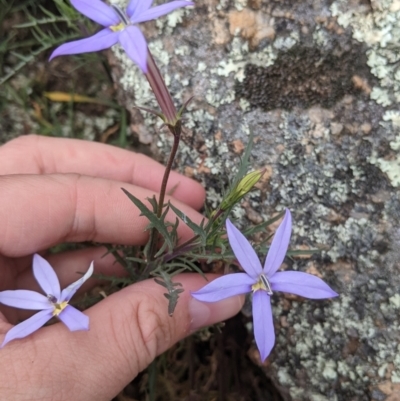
262,226
137,260
198,230
244,163
157,223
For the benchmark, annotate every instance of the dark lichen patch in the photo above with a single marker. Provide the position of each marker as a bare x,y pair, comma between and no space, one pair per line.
303,77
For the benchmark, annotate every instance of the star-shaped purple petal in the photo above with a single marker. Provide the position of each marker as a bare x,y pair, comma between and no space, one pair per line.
118,27
55,303
263,281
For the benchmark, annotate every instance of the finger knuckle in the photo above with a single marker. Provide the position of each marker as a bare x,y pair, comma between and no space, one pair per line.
151,330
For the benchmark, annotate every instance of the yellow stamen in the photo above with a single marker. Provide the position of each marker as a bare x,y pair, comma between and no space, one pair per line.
119,27
259,285
58,308
262,284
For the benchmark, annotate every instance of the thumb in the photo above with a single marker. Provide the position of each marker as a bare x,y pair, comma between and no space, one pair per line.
128,330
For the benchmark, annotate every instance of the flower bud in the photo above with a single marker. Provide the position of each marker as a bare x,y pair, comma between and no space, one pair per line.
244,186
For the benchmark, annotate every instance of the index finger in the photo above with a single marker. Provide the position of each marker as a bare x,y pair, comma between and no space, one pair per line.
40,211
33,154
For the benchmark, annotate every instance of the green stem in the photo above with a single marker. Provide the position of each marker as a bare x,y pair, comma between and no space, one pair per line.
152,380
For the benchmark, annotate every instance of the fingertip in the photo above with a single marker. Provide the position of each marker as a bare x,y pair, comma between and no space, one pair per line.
203,314
208,313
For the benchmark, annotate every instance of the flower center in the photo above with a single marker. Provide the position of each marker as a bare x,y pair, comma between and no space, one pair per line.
58,306
123,17
119,27
262,284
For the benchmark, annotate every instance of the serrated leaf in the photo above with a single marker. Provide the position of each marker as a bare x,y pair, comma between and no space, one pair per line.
173,292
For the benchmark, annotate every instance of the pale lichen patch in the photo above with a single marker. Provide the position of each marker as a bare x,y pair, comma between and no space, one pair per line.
379,29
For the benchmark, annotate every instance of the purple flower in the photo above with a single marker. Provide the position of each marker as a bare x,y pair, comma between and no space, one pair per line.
263,281
54,303
118,27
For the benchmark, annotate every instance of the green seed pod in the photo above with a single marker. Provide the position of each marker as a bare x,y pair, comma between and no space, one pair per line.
244,186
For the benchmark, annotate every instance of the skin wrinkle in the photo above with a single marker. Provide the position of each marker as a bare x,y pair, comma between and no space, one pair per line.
38,156
49,206
6,229
92,384
4,235
16,392
73,224
30,184
75,386
51,386
162,331
49,164
90,210
39,382
28,145
68,393
35,380
148,323
83,383
123,328
115,163
76,221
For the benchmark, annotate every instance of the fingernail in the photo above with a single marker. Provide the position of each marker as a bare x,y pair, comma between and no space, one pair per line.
200,314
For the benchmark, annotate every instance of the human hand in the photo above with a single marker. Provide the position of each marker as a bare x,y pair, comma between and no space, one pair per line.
61,190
